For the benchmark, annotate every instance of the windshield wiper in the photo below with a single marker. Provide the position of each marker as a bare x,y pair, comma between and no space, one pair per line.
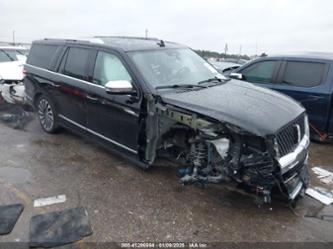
215,79
185,86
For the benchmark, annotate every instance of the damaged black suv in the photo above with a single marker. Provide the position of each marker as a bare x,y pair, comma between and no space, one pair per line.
148,99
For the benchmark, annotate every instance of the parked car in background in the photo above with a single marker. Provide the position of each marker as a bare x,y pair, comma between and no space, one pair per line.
225,67
148,99
12,60
308,78
11,63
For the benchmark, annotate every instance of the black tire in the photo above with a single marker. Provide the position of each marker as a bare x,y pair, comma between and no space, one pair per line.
47,115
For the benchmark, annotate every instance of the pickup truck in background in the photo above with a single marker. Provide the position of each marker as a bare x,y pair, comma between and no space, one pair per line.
308,78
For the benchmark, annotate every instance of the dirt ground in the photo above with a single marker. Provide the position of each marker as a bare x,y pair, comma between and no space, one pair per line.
125,203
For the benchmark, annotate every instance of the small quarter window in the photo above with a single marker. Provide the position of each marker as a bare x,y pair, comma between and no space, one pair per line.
303,74
41,55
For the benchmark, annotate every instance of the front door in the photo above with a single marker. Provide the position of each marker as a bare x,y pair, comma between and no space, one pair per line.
113,118
261,73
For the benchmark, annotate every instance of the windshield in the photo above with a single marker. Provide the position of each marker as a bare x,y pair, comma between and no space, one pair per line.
173,66
7,55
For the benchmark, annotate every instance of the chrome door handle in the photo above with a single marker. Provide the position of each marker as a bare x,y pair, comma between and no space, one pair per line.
55,85
91,98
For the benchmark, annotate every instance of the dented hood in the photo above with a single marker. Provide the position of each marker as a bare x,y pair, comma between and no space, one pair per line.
255,109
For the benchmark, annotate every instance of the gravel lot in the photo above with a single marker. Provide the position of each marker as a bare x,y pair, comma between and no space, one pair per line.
125,203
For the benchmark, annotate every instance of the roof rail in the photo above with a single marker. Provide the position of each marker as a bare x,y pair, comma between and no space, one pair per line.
88,40
128,37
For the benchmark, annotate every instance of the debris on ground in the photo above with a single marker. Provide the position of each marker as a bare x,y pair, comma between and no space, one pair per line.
49,200
324,175
59,228
321,194
325,214
9,215
15,116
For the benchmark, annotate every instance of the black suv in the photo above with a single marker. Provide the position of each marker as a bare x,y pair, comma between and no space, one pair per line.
149,99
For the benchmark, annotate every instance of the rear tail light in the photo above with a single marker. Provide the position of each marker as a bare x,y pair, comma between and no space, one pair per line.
24,71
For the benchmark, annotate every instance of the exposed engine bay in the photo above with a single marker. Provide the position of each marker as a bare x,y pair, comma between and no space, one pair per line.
217,152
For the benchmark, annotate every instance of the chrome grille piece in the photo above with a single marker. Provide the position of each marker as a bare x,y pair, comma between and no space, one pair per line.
289,137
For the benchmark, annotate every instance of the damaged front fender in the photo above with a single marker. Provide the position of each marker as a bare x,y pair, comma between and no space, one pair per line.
214,152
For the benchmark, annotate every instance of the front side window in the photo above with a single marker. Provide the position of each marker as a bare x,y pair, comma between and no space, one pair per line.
172,66
260,72
108,67
76,63
303,74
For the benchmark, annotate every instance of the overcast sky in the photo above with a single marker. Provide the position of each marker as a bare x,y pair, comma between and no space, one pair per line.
271,26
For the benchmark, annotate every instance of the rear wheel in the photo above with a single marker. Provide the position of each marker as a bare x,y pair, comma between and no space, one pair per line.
47,114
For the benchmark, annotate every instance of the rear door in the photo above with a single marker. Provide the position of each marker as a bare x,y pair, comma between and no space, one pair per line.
72,85
306,82
113,118
262,73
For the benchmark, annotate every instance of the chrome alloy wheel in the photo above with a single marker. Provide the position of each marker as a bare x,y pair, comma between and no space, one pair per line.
45,113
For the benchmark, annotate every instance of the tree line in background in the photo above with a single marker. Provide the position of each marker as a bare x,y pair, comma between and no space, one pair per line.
209,54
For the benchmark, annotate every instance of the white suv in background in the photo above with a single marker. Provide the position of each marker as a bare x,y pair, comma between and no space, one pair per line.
12,60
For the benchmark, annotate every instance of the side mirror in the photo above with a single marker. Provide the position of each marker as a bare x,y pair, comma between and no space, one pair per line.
237,76
121,87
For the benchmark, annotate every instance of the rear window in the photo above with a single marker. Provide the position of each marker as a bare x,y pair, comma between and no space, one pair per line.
76,63
41,55
304,74
7,55
4,57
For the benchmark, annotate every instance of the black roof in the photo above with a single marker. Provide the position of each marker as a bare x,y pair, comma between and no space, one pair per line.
121,42
306,55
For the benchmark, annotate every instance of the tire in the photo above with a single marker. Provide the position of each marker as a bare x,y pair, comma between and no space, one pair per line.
47,115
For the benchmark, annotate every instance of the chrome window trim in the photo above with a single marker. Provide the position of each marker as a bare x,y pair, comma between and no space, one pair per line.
97,134
64,75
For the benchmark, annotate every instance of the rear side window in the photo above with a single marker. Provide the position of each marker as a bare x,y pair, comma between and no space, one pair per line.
76,63
260,72
304,74
41,55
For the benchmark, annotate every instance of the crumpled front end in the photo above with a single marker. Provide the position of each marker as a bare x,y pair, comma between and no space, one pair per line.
291,146
211,151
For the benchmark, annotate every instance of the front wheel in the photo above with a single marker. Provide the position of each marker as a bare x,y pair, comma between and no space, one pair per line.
47,114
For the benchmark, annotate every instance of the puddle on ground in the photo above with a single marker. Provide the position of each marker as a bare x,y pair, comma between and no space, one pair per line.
14,175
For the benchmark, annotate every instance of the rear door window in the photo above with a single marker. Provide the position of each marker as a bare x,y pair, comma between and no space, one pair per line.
303,74
76,63
260,72
109,67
